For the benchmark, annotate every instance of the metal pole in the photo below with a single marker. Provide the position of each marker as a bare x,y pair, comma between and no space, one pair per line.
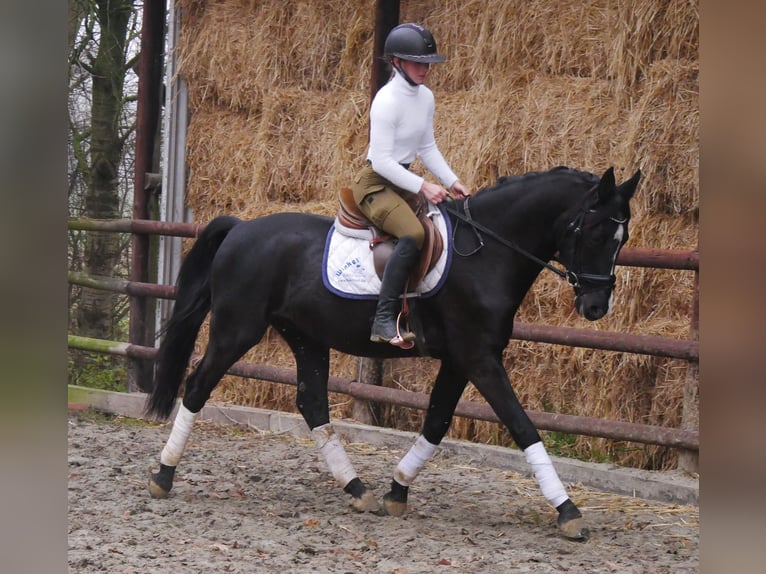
689,460
386,18
172,204
615,430
370,373
147,120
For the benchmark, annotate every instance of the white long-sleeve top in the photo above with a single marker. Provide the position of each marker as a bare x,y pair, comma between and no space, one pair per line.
401,128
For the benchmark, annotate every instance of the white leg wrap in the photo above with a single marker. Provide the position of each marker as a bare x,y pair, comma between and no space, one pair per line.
334,454
418,455
546,475
176,444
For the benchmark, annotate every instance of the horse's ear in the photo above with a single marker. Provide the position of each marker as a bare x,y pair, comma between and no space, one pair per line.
628,188
606,185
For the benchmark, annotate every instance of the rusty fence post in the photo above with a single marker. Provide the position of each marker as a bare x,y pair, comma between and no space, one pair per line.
370,373
147,121
688,460
386,18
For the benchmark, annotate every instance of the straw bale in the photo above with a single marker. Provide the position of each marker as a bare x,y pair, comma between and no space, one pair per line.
486,42
299,148
279,95
540,122
663,138
651,31
235,53
234,50
565,120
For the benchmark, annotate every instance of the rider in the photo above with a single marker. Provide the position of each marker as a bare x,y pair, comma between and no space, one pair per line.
401,128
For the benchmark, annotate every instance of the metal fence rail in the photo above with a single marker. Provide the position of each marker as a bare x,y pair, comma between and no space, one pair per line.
685,439
587,426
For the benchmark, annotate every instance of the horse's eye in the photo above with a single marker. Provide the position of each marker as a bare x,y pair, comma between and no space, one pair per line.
600,235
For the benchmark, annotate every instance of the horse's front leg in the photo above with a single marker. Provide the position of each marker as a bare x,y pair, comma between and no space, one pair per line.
492,382
445,395
313,370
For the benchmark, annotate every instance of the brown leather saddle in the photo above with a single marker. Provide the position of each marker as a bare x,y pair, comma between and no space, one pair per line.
382,244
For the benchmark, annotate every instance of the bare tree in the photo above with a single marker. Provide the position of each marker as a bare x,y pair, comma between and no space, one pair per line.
102,35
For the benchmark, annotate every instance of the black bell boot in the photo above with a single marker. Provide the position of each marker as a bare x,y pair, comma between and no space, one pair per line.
385,328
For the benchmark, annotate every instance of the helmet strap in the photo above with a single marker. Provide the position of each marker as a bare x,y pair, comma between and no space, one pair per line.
404,74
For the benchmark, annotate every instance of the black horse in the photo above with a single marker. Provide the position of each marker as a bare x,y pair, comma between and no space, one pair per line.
252,274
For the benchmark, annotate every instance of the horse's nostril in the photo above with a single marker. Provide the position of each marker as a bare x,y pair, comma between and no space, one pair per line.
595,312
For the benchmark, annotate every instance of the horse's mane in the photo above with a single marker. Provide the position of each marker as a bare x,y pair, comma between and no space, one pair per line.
511,180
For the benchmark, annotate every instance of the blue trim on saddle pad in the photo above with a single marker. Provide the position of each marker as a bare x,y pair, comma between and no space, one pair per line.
362,266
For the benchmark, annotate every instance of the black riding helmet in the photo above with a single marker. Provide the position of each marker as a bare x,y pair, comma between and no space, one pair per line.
411,42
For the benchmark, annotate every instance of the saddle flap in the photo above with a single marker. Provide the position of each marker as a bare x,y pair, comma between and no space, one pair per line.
433,245
349,213
382,245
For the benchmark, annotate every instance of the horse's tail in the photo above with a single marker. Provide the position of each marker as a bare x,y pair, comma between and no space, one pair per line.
191,307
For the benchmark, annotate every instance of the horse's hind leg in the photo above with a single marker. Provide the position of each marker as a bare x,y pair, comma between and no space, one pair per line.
221,353
448,388
313,370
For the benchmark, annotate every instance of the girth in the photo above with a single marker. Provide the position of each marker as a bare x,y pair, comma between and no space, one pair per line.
382,244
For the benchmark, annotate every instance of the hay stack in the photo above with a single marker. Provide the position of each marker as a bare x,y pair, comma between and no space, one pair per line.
279,97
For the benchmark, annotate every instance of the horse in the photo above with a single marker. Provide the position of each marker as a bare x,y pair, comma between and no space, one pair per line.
249,275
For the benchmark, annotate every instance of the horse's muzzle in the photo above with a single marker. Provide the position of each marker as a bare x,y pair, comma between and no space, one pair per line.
593,294
593,305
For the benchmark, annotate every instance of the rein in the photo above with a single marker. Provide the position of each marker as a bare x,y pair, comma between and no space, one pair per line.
448,205
573,278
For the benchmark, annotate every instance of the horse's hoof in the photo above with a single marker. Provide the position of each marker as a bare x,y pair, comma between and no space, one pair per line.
155,490
571,523
365,503
161,482
575,529
393,507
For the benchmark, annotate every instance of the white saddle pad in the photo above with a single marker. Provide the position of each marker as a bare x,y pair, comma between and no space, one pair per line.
348,268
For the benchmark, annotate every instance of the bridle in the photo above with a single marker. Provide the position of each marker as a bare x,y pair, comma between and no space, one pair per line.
581,282
587,282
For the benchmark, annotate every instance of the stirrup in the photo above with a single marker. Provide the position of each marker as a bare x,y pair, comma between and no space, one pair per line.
404,340
400,341
397,340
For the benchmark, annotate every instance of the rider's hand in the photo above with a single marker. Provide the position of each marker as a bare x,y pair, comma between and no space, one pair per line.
459,190
434,193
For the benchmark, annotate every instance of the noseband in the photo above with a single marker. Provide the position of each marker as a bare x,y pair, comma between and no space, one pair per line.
580,282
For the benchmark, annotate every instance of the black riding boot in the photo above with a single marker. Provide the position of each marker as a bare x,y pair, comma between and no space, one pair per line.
401,262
